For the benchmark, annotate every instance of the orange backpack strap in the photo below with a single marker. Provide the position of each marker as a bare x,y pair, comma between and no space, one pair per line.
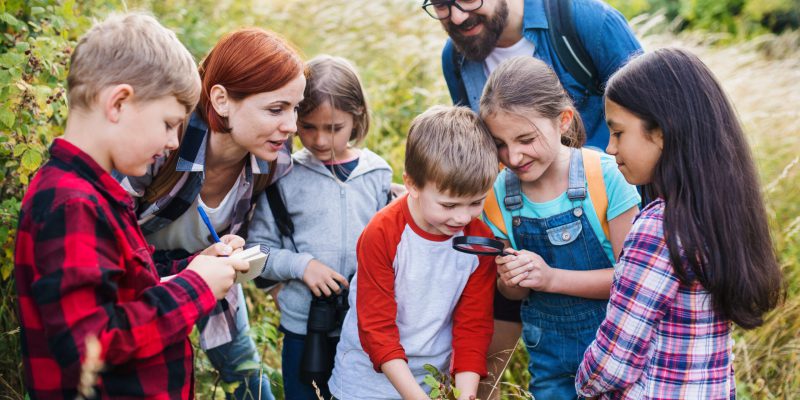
492,213
597,187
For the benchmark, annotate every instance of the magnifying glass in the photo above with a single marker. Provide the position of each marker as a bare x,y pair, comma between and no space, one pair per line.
479,245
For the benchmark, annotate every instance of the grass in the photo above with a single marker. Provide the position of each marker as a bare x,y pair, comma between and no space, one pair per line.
397,49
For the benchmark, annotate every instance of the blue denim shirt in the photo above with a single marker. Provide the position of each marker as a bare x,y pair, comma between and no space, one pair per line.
604,33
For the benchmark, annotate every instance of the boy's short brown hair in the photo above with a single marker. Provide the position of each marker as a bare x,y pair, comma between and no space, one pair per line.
451,148
132,49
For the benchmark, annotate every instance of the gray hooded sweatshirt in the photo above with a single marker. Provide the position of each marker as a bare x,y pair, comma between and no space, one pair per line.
328,217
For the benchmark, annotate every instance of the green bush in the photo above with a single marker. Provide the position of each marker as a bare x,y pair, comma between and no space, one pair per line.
37,39
741,18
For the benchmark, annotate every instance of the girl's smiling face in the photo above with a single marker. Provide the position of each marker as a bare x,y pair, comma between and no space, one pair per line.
528,146
636,149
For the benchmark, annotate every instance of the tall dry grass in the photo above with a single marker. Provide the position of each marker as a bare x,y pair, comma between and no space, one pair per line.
397,50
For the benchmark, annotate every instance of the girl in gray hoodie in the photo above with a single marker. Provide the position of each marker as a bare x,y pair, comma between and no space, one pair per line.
330,195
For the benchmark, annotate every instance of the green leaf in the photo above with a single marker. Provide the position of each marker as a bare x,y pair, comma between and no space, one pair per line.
434,394
7,117
247,366
31,159
431,369
6,270
37,10
456,392
431,381
12,58
9,19
229,387
19,149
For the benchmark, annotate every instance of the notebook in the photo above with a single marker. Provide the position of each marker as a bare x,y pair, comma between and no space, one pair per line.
257,260
253,255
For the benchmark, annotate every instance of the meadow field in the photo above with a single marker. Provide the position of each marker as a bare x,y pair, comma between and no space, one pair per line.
397,50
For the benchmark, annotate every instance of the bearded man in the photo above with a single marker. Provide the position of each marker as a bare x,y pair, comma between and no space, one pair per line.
484,33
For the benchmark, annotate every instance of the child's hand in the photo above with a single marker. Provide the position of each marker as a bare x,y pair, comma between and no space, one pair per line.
218,272
512,268
228,245
322,279
539,276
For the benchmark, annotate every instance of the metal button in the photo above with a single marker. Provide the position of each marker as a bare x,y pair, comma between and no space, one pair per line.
577,212
516,221
565,236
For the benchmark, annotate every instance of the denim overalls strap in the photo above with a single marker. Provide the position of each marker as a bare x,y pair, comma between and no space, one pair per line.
558,328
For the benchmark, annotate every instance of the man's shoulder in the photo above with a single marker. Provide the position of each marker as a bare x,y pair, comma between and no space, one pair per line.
590,9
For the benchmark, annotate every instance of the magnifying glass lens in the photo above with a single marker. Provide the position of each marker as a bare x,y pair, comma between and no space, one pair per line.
478,248
478,245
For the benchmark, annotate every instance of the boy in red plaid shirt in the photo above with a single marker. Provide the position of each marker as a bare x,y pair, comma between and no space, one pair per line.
82,267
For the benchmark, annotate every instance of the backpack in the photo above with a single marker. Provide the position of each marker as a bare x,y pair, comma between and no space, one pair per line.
568,46
597,192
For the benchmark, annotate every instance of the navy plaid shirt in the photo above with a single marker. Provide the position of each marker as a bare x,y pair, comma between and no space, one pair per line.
166,209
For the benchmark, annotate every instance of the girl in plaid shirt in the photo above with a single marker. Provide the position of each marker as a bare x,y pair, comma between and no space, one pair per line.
696,261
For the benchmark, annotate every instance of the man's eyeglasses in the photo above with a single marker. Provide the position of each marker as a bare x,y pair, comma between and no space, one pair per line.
440,9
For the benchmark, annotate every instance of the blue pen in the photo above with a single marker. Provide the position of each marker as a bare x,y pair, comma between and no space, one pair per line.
207,221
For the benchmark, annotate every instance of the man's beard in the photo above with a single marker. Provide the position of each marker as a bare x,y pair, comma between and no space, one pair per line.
478,47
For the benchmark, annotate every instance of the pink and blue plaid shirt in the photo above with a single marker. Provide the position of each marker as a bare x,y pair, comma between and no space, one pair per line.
661,339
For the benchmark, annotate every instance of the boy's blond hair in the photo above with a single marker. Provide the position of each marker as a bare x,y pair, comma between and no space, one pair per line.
451,148
132,49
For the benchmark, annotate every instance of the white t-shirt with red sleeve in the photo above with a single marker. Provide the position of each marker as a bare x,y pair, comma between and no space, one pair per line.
414,298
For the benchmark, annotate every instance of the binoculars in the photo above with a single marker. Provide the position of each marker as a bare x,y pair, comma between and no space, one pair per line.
325,315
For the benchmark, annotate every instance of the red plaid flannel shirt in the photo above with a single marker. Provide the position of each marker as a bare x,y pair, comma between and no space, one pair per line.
83,268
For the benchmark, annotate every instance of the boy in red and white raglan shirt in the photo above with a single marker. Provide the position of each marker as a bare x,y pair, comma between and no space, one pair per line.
414,299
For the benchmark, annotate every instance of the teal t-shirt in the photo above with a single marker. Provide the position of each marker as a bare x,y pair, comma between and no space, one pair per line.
621,197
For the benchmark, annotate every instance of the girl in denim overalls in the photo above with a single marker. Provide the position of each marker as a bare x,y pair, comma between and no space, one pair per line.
561,262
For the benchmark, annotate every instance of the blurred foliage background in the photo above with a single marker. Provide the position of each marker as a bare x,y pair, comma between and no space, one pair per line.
752,45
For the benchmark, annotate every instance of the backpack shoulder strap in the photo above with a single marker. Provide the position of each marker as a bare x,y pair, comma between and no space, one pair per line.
597,187
280,213
454,57
568,45
492,213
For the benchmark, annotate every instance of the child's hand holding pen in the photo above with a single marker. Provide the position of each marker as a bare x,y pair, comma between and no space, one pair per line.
227,245
213,265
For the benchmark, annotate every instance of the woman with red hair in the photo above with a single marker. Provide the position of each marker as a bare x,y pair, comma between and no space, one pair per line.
237,142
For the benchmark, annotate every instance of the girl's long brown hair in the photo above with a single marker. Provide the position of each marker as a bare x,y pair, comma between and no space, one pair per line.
706,175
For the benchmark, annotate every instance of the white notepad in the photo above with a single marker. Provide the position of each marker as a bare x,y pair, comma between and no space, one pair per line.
257,260
253,255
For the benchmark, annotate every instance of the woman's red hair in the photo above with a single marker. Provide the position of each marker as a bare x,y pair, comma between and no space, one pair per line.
246,62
